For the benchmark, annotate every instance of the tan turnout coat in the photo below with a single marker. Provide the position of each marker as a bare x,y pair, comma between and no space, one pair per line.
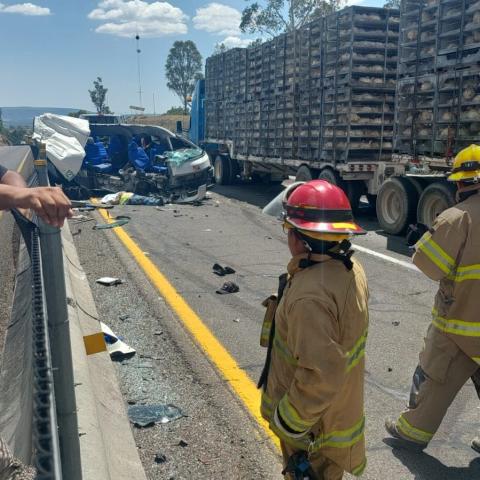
450,253
316,375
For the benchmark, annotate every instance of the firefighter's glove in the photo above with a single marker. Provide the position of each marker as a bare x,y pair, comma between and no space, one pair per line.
415,233
299,466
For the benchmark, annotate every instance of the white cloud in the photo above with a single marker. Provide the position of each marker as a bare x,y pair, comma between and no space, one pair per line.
235,42
219,19
25,9
354,2
125,18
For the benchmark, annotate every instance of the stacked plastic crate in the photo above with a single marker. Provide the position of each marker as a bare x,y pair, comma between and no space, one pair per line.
438,98
360,64
309,98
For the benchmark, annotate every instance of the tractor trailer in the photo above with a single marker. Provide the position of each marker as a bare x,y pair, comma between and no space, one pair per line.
360,98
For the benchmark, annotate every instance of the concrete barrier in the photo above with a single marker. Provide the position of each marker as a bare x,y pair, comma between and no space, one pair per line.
108,450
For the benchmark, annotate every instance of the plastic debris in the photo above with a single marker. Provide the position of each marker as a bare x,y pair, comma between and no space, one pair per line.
116,347
109,281
118,222
222,271
160,458
195,199
228,287
147,415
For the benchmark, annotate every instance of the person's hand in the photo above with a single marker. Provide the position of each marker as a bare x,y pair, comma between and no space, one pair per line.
49,203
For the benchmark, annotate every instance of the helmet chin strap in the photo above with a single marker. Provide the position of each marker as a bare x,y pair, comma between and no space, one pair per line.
463,192
338,251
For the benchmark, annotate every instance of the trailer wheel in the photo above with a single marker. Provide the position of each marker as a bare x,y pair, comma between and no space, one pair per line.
330,176
304,174
396,205
436,198
222,170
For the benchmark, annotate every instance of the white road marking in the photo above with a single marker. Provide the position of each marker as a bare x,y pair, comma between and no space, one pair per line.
411,266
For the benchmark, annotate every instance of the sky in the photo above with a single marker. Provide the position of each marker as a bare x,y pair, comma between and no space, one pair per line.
52,50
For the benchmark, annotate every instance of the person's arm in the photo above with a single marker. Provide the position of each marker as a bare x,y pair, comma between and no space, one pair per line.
13,179
321,366
436,252
49,203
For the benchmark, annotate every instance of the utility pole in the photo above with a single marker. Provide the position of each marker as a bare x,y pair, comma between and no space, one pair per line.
154,104
137,39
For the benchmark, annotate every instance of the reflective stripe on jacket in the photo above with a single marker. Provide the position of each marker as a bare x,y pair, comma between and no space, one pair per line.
316,375
450,254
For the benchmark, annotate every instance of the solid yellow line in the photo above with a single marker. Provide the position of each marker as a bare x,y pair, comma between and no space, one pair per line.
224,362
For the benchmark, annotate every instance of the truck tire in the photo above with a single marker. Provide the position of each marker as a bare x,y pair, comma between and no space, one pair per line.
304,174
222,171
353,189
234,169
330,176
436,198
396,205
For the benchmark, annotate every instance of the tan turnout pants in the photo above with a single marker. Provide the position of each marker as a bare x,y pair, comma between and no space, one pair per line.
324,468
441,373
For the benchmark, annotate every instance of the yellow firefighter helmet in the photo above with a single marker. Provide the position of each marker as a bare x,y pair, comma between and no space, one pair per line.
467,165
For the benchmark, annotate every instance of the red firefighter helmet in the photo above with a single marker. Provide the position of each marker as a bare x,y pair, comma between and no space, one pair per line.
319,207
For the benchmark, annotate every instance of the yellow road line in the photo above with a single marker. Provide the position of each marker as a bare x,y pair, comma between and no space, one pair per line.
19,170
238,380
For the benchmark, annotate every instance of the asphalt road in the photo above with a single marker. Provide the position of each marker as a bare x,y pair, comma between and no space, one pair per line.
185,241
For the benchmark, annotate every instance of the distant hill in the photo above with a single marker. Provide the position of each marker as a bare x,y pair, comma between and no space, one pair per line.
23,116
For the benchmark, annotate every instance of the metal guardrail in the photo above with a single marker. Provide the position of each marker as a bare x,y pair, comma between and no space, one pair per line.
57,313
44,431
55,446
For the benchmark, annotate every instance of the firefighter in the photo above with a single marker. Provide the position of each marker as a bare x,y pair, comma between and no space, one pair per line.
448,253
315,330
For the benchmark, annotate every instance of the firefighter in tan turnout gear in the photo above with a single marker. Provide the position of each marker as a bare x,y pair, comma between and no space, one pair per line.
448,253
316,330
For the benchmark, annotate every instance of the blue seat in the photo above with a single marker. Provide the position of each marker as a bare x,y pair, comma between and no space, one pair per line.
96,158
138,157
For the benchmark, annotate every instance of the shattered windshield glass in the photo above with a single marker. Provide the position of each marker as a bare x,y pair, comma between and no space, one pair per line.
183,155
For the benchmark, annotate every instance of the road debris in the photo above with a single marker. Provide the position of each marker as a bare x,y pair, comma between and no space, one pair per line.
160,458
118,222
117,349
147,415
182,443
109,281
395,323
228,287
222,271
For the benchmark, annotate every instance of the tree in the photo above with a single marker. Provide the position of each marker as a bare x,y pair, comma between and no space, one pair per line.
272,17
77,113
219,48
174,111
98,96
392,4
183,67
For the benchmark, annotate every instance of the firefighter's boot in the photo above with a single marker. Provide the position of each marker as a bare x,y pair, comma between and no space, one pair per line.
400,441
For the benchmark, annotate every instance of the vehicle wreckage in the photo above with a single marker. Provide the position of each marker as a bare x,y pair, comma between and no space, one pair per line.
87,159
